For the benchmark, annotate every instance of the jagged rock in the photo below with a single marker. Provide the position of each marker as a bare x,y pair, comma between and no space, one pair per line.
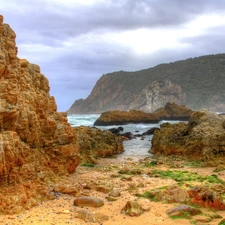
171,111
88,201
132,208
202,137
36,142
183,210
94,143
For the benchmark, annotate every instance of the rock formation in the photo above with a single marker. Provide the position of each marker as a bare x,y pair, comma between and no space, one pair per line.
157,94
94,143
36,142
202,137
170,111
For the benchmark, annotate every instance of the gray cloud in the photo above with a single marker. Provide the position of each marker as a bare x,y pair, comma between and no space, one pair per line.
75,45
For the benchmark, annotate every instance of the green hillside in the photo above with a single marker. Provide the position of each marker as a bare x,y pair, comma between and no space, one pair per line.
202,79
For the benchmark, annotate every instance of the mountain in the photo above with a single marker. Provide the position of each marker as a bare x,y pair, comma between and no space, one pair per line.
195,82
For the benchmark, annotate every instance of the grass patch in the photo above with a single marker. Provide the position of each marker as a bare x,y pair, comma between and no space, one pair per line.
151,164
148,195
183,176
184,215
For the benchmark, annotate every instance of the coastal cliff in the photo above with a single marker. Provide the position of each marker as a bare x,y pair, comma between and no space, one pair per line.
36,141
196,82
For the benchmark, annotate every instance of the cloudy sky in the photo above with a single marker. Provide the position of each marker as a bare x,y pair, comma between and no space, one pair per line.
75,42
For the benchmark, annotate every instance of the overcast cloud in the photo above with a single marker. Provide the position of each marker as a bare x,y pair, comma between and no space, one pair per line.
75,42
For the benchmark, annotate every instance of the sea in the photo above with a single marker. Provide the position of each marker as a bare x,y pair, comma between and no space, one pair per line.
135,148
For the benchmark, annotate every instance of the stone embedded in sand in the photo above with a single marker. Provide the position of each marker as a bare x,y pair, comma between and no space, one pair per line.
89,216
96,187
88,201
183,210
132,208
114,193
145,204
66,190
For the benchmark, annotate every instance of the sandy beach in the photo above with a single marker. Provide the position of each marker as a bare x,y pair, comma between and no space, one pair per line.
107,172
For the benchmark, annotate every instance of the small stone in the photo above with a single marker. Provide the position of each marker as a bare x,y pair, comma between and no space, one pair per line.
89,216
132,208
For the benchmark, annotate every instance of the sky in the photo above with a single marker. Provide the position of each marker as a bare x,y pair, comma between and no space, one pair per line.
75,42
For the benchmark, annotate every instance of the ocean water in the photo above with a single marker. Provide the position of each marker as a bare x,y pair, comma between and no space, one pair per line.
135,148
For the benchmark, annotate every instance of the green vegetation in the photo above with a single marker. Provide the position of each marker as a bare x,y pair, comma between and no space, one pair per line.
149,195
184,215
88,164
182,176
151,164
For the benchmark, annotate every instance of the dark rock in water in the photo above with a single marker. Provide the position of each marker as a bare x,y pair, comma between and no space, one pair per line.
116,130
150,131
128,135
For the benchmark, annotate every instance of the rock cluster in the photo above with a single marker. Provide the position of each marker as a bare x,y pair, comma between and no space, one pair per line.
171,111
202,137
36,142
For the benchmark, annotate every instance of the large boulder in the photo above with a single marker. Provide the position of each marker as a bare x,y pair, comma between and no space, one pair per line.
171,111
202,137
94,143
37,144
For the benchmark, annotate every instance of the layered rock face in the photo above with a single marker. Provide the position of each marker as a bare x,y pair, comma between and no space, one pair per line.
202,137
105,97
36,142
157,95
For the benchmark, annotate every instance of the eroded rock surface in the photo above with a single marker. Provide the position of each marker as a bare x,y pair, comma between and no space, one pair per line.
202,137
36,141
94,143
